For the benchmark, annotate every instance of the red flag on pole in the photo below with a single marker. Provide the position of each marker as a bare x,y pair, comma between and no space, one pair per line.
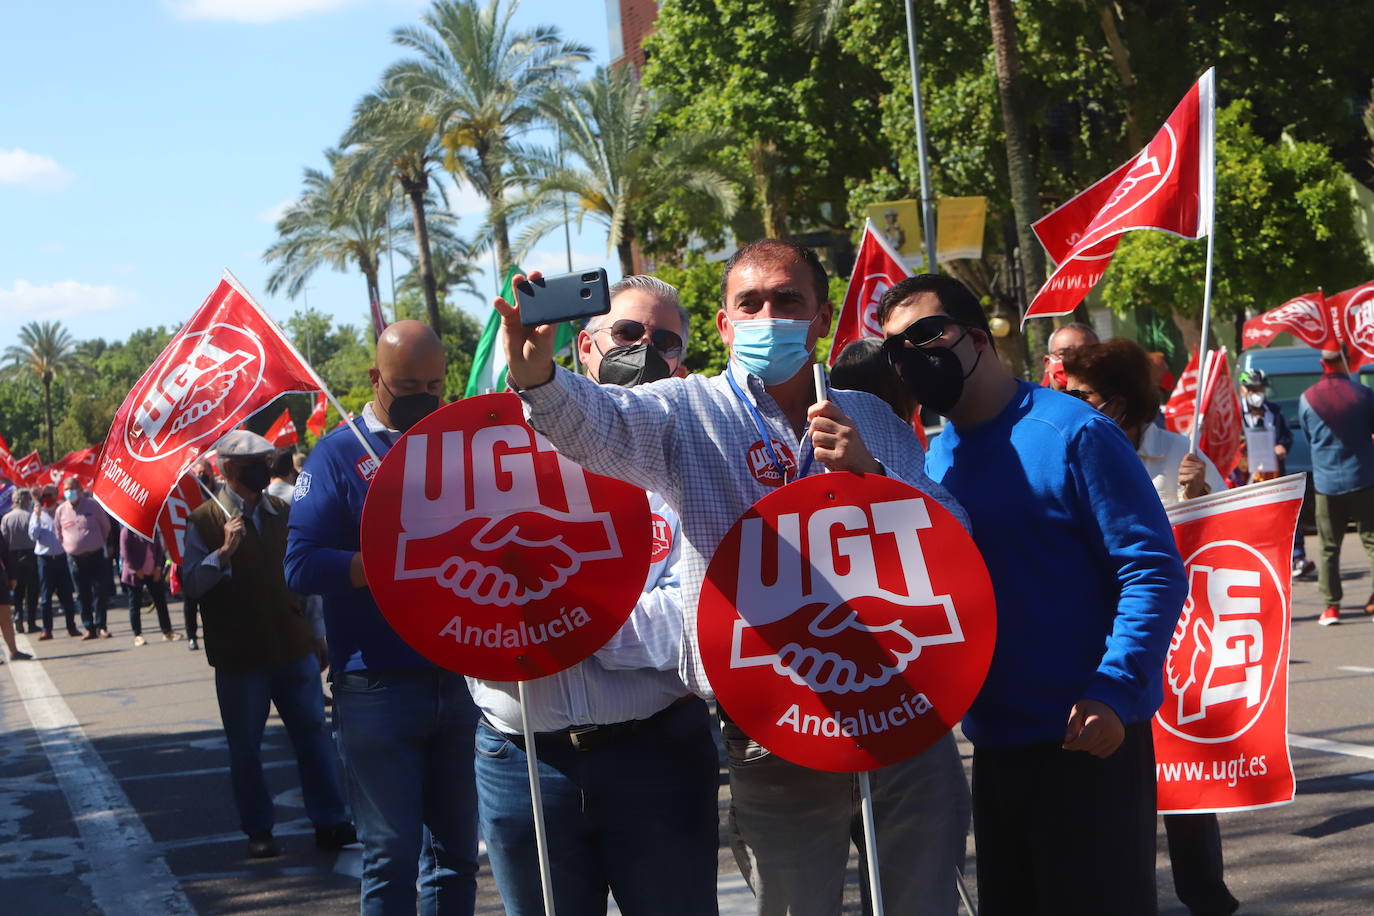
1306,317
1178,410
283,432
877,268
1352,312
1221,434
1221,735
225,363
183,499
316,421
9,468
1167,187
81,465
29,469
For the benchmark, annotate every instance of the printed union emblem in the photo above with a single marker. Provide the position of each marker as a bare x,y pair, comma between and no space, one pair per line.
762,466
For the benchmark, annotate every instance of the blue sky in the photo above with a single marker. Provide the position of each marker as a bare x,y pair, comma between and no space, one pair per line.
146,146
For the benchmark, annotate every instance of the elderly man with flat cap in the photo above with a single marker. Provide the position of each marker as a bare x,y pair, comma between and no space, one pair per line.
260,644
404,726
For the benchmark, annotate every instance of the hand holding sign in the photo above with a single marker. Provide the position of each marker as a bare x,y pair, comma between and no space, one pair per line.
837,442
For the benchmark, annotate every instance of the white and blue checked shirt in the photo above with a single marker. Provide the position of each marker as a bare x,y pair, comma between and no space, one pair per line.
689,440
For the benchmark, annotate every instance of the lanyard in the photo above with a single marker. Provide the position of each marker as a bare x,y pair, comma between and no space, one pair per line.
765,435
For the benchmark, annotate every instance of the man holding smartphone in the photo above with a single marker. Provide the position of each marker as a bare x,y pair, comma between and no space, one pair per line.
698,441
627,761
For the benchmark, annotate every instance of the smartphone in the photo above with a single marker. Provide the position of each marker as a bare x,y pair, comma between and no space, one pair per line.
564,297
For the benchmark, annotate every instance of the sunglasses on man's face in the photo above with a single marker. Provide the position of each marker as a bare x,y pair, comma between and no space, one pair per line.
920,333
626,332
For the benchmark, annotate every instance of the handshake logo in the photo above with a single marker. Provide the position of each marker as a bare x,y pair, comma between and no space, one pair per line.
837,626
507,543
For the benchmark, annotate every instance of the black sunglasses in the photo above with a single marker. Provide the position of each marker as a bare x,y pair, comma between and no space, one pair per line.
626,332
921,333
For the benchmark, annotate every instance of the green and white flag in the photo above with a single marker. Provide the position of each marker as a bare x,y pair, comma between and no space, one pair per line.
489,361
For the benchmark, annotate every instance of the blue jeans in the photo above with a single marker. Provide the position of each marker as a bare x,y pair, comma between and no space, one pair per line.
405,738
55,579
294,688
636,817
88,570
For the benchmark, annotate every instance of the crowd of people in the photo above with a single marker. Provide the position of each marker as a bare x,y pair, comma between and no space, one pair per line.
1062,802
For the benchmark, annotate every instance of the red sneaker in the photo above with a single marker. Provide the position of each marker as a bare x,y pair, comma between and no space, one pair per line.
1330,617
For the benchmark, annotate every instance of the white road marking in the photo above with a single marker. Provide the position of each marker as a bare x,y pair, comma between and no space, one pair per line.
127,876
1357,669
1329,746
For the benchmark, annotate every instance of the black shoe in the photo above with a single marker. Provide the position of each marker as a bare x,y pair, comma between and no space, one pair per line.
73,631
18,656
336,837
34,628
261,846
192,644
91,635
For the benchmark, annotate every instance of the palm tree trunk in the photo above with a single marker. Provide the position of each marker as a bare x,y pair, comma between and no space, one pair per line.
47,413
415,191
1121,58
626,249
1025,196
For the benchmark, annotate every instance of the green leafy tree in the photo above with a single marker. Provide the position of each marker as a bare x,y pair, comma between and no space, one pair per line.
485,83
617,176
46,350
1285,225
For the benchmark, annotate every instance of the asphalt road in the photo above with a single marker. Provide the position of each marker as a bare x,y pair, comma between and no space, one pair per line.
114,791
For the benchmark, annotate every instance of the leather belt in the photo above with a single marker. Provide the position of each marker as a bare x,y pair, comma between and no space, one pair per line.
586,738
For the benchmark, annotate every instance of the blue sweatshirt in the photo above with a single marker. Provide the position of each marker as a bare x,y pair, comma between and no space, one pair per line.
326,513
1083,562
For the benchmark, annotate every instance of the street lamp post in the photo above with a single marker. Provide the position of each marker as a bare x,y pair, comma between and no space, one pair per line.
927,197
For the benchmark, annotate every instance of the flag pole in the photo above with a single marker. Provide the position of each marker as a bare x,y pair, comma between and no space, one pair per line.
1208,173
314,376
875,889
541,838
927,200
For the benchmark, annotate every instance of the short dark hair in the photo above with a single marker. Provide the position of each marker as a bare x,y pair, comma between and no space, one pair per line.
955,298
1117,368
283,463
863,366
773,251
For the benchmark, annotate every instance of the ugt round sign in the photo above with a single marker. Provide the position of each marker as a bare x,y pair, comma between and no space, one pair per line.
494,556
846,621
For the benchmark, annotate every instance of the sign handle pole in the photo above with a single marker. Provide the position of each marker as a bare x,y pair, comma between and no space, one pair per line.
963,892
875,889
1209,175
541,839
211,495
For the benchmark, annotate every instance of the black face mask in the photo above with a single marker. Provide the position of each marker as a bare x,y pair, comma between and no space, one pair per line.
933,375
632,365
255,476
408,409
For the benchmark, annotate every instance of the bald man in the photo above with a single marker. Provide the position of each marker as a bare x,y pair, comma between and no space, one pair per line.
1070,336
405,727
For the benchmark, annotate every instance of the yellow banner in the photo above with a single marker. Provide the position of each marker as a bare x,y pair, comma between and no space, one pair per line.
899,222
959,227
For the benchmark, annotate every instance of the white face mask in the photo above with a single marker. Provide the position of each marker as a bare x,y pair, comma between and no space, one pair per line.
1255,399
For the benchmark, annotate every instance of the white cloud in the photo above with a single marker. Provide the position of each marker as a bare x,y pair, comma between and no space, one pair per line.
253,11
464,201
41,173
66,299
274,213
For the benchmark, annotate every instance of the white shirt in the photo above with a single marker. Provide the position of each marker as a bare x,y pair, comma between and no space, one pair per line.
632,676
694,441
1162,452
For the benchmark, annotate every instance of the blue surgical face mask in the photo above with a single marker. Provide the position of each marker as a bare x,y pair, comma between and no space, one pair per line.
71,495
771,348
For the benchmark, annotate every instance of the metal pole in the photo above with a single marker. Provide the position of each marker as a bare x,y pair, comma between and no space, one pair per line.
1209,174
927,197
567,237
541,839
875,887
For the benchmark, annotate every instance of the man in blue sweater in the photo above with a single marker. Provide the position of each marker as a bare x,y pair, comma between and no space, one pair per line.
405,727
1089,586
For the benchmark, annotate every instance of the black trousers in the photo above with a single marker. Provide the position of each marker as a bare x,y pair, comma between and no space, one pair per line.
23,566
1062,833
1195,857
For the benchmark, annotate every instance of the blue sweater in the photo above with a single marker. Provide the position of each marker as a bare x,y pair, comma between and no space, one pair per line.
326,512
1083,562
1337,416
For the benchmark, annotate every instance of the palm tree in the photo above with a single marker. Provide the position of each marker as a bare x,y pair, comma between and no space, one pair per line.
485,82
339,220
453,257
395,133
46,349
618,174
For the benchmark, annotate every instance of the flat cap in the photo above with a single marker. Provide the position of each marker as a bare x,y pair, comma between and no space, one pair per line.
240,443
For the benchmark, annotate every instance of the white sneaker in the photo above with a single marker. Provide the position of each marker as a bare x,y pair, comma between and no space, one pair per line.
140,641
171,636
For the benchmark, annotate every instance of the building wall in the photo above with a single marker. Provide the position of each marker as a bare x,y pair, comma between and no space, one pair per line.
629,22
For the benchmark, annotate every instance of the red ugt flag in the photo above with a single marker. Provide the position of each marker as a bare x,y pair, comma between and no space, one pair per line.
225,363
876,270
283,432
1306,317
1167,186
80,465
1178,410
1221,427
1221,735
316,421
29,469
1352,315
171,521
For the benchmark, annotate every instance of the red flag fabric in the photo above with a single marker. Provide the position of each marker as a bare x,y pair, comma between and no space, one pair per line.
1352,312
171,521
1167,187
1221,434
1306,317
283,432
316,421
81,465
9,468
1178,410
225,363
877,268
29,469
1221,734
